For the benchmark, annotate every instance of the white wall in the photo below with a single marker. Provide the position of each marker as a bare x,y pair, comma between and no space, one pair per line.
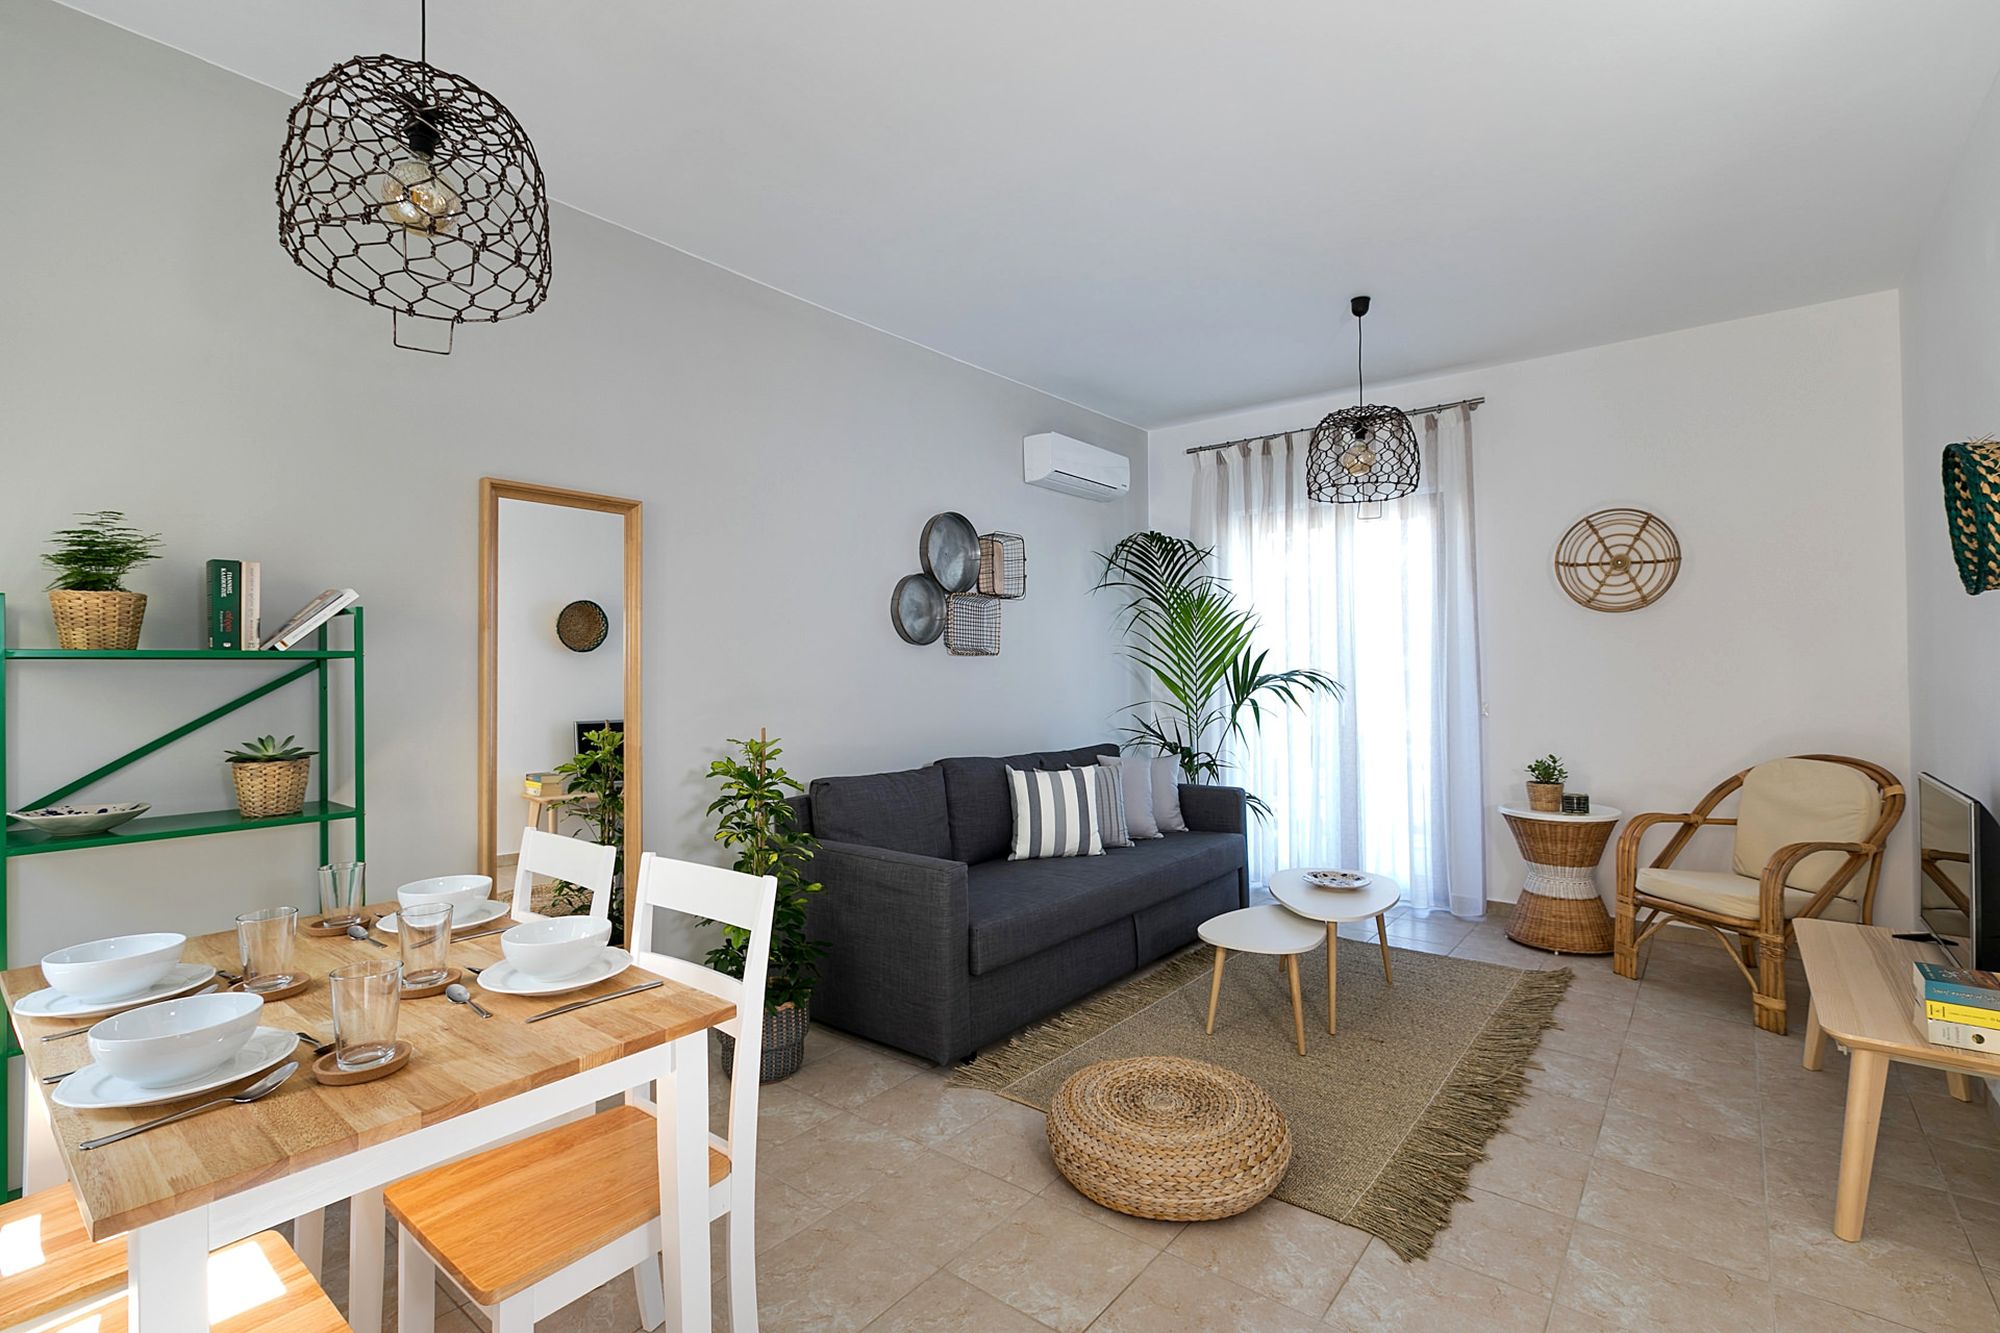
1771,445
549,556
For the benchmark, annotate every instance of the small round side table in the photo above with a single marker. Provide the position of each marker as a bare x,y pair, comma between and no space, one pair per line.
1560,909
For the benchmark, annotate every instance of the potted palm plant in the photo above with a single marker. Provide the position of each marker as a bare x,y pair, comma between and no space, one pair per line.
92,606
763,828
270,776
1545,784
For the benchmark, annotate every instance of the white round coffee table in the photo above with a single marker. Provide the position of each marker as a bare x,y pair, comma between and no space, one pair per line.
1333,906
1267,929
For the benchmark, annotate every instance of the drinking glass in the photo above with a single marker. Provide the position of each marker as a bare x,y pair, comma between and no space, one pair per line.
340,895
264,943
424,932
366,998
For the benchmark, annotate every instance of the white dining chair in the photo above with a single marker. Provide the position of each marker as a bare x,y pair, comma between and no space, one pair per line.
528,1227
555,856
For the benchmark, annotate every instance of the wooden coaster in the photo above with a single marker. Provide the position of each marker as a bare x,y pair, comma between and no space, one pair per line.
326,1071
311,925
451,974
282,993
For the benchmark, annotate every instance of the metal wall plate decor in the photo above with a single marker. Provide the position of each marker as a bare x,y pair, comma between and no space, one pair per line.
917,608
950,551
972,626
1618,560
582,626
1003,565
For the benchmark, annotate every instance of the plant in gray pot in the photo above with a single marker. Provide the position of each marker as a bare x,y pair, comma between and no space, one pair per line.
763,829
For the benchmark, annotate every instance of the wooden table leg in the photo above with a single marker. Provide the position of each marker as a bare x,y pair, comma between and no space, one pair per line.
683,1149
364,1261
1959,1085
1215,987
1332,972
1298,1004
1382,938
1867,1077
1815,1039
167,1273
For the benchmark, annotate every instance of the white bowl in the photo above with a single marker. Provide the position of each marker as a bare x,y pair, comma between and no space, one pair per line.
556,948
115,968
461,891
175,1040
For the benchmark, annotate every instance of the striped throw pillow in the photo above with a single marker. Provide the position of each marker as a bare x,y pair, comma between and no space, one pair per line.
1111,830
1055,814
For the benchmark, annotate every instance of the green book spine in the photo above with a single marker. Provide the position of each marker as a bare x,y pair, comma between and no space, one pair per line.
224,582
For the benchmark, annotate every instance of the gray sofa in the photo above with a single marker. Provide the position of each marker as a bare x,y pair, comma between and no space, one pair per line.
941,945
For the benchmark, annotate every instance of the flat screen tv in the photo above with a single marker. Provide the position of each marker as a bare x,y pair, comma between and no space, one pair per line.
1958,873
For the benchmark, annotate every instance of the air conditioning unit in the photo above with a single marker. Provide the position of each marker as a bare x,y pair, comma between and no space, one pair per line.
1061,464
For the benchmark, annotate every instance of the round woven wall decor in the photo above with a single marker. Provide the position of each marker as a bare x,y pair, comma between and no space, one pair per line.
582,626
1972,512
1618,560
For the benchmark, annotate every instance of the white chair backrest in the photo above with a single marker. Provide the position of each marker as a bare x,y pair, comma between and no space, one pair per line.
553,856
728,896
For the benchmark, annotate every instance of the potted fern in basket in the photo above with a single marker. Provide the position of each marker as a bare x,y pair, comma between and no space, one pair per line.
763,828
92,606
270,776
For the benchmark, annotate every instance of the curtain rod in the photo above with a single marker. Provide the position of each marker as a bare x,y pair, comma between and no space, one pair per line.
1469,404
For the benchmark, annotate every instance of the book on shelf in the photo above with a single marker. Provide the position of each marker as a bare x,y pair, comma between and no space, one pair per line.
1962,1036
310,617
1956,985
253,602
222,599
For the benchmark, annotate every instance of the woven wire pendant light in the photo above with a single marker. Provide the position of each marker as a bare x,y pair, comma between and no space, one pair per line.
417,191
1363,454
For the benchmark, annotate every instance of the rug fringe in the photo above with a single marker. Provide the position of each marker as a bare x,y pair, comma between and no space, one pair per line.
1056,1037
1411,1201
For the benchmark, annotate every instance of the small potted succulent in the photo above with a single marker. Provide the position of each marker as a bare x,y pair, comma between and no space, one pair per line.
1545,784
270,776
88,597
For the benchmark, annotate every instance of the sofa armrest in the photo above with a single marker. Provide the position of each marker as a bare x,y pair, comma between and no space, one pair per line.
895,970
1214,809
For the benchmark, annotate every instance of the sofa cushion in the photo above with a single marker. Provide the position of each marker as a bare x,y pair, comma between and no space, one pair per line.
1733,895
1055,814
980,811
1019,908
904,812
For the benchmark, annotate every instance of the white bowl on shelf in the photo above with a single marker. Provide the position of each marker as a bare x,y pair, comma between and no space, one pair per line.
77,821
175,1040
558,947
113,969
461,891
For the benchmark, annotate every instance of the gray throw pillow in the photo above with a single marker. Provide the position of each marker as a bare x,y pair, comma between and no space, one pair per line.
1137,777
1110,803
1167,794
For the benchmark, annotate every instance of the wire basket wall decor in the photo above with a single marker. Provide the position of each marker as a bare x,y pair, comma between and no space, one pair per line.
1618,560
1003,565
972,625
414,190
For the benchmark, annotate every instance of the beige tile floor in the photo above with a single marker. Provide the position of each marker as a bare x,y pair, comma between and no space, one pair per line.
1672,1169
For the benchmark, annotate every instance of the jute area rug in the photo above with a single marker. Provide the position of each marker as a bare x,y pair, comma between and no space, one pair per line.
1388,1117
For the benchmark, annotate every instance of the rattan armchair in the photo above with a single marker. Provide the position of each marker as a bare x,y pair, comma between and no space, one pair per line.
1809,837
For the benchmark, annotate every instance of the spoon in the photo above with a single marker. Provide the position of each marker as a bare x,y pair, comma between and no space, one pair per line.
458,994
261,1088
360,932
319,1047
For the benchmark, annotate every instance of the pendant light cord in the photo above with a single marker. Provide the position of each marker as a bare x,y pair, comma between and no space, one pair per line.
423,32
1360,384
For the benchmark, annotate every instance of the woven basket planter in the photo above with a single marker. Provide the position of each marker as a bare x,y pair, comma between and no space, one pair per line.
1168,1138
1972,512
784,1044
271,788
97,620
1546,797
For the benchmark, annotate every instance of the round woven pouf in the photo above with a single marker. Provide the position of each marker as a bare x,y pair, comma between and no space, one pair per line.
1167,1138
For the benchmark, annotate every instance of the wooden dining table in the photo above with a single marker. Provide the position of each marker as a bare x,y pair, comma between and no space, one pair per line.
182,1190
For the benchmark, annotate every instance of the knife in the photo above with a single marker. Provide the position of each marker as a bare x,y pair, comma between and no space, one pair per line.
585,1004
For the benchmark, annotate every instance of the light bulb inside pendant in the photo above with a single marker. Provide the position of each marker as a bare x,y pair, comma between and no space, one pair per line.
1357,459
414,196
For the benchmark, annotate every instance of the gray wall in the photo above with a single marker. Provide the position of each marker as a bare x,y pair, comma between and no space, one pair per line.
159,354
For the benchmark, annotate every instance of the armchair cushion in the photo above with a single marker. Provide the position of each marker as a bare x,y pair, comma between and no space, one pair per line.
1803,800
1724,894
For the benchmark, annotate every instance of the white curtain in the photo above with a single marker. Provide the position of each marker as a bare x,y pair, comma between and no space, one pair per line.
1387,778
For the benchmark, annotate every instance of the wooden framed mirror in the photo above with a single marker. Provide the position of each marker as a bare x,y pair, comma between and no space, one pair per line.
542,550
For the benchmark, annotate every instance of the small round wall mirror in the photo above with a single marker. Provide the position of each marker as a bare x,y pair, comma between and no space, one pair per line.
582,626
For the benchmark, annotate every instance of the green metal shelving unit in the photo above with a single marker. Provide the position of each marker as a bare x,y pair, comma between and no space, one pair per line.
316,662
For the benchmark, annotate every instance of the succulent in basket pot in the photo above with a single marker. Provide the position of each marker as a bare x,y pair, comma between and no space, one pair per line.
270,776
93,608
1545,784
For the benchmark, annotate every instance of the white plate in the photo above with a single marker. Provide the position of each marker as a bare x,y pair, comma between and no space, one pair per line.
54,1004
486,909
506,979
95,1088
1338,879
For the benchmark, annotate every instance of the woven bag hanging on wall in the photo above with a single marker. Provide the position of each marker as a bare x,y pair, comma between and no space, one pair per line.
1972,511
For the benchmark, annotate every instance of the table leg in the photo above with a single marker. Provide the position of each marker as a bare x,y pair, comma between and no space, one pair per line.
1298,1004
167,1264
1215,987
1815,1039
1332,972
309,1242
683,1145
1959,1085
364,1261
1867,1077
1382,938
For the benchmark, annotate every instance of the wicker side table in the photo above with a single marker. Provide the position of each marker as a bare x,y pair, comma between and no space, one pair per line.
1560,909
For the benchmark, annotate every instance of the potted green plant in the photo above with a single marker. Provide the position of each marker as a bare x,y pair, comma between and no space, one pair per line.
1545,784
92,606
270,776
760,824
595,780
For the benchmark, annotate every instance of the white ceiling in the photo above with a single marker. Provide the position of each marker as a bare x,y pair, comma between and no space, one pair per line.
1158,208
